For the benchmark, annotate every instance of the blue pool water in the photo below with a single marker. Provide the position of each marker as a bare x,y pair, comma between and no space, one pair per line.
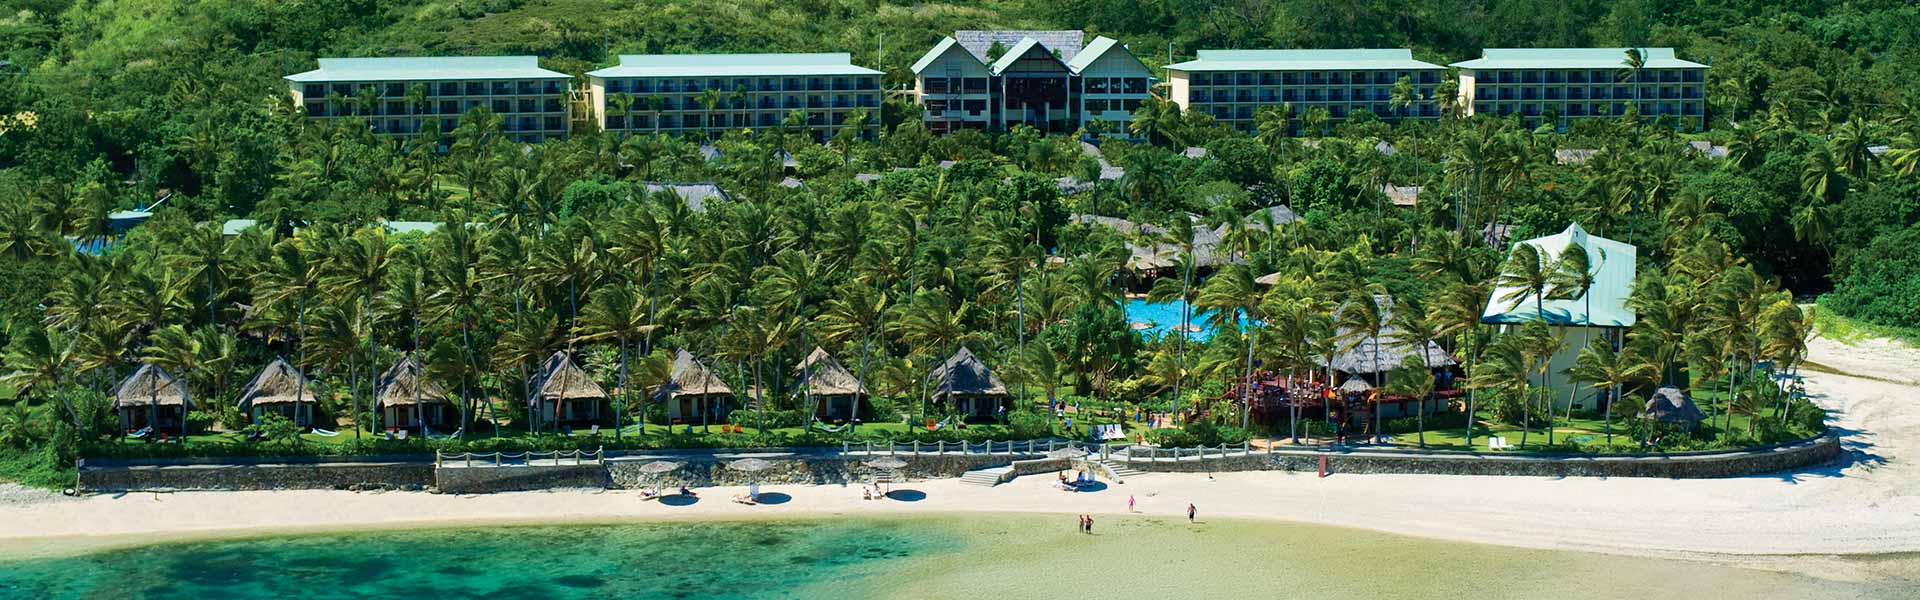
1164,317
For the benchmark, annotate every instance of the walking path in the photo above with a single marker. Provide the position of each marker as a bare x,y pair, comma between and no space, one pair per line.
1868,503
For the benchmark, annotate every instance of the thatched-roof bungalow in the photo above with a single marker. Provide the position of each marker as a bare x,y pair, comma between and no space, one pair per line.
152,397
1369,357
563,393
966,382
836,392
1670,405
406,399
693,394
281,389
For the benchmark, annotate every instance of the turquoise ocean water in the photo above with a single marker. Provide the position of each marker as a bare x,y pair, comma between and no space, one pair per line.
972,557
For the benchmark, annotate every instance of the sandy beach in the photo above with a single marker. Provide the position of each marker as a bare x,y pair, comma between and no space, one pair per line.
1866,504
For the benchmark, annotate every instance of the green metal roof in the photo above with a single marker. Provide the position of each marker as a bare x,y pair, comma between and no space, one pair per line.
734,65
1614,263
1573,58
1100,46
946,44
1019,50
427,68
1357,59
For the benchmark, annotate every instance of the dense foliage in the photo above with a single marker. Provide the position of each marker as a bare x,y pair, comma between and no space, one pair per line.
107,106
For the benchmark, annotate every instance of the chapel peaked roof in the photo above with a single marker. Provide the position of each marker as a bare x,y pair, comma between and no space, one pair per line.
1613,265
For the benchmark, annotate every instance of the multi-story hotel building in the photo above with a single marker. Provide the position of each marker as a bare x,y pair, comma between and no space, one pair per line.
400,96
1232,85
1569,83
702,95
1045,79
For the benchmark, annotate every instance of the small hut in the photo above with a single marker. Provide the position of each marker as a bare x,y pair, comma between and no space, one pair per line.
1670,405
152,397
966,382
836,393
693,394
408,400
562,393
1371,357
281,389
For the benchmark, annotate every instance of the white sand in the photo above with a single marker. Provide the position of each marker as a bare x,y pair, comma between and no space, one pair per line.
1869,504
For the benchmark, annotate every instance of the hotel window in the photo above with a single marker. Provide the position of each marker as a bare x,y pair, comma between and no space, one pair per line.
1136,85
935,85
316,109
501,106
974,106
1130,104
1096,106
313,90
1097,85
526,105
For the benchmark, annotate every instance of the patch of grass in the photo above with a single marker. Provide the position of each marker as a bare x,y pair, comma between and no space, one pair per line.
36,468
1846,330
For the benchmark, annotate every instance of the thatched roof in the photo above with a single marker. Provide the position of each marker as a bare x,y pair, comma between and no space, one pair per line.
278,383
1574,156
1355,385
1160,256
150,385
963,374
1673,406
1402,195
697,195
824,376
405,384
1392,351
690,378
560,379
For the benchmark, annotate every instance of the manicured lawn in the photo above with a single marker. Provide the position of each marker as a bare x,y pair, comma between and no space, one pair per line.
1585,431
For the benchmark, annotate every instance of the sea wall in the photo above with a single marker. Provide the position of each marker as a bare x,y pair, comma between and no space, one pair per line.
1692,465
454,479
258,476
713,470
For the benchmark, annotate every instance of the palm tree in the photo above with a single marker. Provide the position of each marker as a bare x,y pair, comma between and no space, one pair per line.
1417,329
40,357
1275,126
1572,279
1361,318
711,98
623,103
291,276
1234,299
616,312
1457,311
1631,66
1610,372
932,321
357,268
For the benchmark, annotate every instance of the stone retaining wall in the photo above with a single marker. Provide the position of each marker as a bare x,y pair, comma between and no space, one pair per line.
272,476
453,479
1733,463
712,471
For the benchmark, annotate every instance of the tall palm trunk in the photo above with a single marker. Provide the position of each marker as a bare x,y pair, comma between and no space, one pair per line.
625,387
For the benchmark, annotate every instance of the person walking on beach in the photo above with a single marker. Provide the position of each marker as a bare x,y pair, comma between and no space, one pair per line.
1129,503
1190,513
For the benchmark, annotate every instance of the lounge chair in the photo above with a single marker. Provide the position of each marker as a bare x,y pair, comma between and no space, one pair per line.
400,435
649,494
141,433
744,499
594,431
324,433
1498,443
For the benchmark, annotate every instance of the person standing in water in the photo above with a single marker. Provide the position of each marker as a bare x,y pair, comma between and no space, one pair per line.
1190,513
1089,524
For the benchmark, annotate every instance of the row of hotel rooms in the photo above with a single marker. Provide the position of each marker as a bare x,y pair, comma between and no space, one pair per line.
989,80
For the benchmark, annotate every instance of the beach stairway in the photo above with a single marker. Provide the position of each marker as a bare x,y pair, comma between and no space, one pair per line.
1119,470
985,477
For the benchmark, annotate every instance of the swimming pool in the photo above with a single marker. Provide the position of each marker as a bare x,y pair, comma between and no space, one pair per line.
1161,318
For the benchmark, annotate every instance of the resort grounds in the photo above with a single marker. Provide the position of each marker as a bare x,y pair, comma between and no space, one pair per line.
1818,522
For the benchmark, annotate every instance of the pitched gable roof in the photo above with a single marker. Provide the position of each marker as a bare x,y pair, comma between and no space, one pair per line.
278,383
560,379
820,374
690,378
405,384
965,375
1614,266
946,45
150,385
1065,41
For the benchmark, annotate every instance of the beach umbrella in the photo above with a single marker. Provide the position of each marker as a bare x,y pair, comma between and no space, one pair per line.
750,466
885,463
659,467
